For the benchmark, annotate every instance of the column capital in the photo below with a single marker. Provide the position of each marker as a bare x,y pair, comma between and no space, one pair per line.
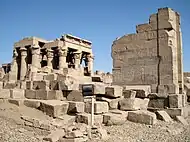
23,51
90,57
15,54
77,55
63,52
35,49
49,53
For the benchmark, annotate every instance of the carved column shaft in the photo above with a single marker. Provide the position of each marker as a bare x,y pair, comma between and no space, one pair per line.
77,56
62,59
90,60
50,58
23,65
35,56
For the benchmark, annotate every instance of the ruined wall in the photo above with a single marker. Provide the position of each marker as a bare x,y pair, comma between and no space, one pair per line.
153,55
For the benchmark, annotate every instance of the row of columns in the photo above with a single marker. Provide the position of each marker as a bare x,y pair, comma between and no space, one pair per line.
62,60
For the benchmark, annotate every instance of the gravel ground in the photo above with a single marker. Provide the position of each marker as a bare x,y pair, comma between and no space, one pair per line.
12,129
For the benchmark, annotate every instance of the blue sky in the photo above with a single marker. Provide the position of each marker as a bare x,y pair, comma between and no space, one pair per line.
100,21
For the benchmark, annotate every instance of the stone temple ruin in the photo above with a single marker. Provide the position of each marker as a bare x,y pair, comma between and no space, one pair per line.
148,82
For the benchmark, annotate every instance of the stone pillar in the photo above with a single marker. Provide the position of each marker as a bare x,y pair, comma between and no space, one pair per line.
90,60
62,59
23,65
35,58
50,59
77,56
14,67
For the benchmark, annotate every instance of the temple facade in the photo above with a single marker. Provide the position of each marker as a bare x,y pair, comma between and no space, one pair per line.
32,56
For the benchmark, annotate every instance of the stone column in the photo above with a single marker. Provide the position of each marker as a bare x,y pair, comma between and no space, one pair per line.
14,67
35,58
90,60
62,59
50,59
23,65
77,56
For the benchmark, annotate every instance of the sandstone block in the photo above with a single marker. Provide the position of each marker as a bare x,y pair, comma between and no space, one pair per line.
175,100
141,116
158,103
63,121
55,95
30,94
50,77
133,104
75,96
142,91
32,103
99,88
113,103
173,112
1,85
17,102
54,108
114,119
41,94
76,107
55,135
99,107
17,93
4,93
10,85
162,115
181,120
114,91
86,118
129,93
41,85
29,85
73,140
74,134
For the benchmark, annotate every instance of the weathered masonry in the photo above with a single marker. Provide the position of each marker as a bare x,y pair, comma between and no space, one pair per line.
35,55
151,56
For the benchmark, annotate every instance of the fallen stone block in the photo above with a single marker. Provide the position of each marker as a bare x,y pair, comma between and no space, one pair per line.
73,139
75,96
10,85
41,85
4,93
116,111
54,108
162,115
142,91
86,118
100,134
175,100
181,120
55,135
132,104
50,77
41,94
76,107
30,94
99,107
17,102
17,93
158,102
114,119
129,94
55,95
29,85
114,91
142,116
113,103
99,88
173,112
32,103
1,85
63,121
74,134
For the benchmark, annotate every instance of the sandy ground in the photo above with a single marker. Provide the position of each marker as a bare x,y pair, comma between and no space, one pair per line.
13,130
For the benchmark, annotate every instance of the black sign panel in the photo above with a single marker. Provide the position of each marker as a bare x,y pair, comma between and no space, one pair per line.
88,89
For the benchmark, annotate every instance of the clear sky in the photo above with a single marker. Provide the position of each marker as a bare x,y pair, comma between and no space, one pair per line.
100,21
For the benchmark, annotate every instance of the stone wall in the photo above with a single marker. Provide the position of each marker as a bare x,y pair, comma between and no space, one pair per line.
151,56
